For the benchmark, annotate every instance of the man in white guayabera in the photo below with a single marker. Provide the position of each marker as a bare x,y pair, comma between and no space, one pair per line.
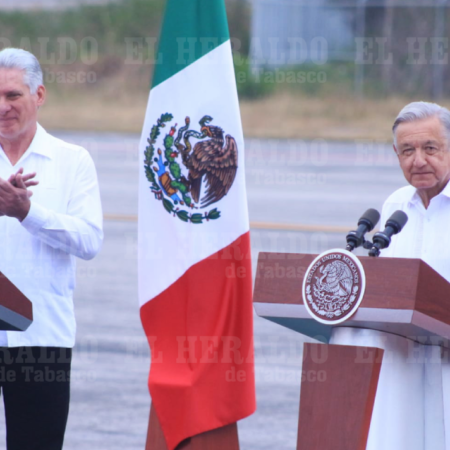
43,226
412,404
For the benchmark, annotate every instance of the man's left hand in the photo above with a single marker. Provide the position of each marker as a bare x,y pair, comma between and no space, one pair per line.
14,196
27,180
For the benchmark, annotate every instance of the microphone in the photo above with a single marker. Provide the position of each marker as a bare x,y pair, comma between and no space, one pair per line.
394,225
366,223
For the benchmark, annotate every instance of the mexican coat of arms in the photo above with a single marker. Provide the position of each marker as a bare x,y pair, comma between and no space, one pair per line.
333,286
186,176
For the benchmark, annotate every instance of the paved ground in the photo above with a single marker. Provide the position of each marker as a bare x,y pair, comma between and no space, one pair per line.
316,183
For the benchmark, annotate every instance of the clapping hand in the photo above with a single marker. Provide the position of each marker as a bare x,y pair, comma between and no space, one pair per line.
14,195
23,181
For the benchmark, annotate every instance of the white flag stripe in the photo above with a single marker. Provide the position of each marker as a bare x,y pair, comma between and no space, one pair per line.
180,96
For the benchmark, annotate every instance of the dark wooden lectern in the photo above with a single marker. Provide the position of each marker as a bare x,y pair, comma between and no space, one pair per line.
403,296
16,311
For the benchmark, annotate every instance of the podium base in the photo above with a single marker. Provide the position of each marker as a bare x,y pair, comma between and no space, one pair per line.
339,383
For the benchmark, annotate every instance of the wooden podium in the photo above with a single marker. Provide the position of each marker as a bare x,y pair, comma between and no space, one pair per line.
16,311
403,296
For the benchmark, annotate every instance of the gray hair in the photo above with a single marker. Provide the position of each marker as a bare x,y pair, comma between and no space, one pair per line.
16,58
422,110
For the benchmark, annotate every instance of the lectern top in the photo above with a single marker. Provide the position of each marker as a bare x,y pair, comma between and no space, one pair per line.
16,311
404,296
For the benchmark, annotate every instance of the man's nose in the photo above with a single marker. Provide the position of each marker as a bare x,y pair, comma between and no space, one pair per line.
419,158
4,106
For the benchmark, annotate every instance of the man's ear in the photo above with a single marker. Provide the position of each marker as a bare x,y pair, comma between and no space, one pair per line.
41,95
395,149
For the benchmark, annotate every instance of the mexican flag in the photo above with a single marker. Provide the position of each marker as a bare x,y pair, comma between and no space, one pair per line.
195,283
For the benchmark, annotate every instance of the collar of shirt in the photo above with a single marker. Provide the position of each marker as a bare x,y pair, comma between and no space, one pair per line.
38,145
416,200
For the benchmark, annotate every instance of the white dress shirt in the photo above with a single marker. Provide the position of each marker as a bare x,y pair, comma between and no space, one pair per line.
411,410
426,235
64,221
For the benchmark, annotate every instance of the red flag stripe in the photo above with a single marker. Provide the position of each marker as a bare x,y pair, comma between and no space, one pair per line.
201,337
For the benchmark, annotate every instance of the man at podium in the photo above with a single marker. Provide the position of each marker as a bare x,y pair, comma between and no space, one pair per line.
39,242
412,404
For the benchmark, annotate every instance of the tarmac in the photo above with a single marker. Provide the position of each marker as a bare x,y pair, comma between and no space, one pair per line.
319,188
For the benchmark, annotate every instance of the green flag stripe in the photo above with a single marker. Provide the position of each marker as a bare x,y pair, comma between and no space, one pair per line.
191,29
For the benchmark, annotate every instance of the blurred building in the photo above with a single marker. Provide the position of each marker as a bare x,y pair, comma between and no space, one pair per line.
389,45
45,4
290,32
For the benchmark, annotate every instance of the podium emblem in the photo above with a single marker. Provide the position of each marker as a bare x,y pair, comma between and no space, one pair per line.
333,286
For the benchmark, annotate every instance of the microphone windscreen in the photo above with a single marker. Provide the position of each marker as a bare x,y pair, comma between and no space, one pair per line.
397,220
370,217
